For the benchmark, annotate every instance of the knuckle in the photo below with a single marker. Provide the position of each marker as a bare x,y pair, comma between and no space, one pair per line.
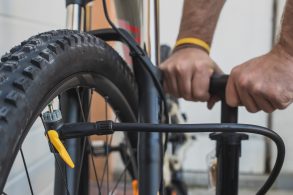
200,95
281,106
168,70
201,65
243,82
281,99
163,65
235,71
257,89
180,70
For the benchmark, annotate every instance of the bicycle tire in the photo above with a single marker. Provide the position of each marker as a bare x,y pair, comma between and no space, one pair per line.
45,66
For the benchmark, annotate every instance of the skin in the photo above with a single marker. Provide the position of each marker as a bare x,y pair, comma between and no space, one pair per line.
262,83
188,70
265,82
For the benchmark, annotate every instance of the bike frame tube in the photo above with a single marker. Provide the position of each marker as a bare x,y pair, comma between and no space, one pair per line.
150,29
150,151
75,17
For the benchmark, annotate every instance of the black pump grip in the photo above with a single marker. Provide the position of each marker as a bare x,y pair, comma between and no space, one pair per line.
218,85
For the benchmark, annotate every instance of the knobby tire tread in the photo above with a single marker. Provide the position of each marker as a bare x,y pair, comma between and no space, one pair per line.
31,69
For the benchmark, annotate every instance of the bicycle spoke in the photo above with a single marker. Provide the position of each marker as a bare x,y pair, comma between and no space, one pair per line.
56,160
90,104
104,170
120,177
124,184
95,171
108,143
129,147
60,170
84,139
81,162
124,188
131,156
26,171
107,160
106,165
91,150
106,105
80,104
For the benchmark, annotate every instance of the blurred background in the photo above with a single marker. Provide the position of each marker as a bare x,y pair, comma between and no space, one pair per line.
245,30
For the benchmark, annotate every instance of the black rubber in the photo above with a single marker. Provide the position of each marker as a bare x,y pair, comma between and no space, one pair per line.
50,63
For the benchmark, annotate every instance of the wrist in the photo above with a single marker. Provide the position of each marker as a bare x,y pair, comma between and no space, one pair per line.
285,45
189,46
193,51
286,37
191,42
282,52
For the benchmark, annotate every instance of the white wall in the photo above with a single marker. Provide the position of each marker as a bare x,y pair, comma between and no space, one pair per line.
243,32
21,19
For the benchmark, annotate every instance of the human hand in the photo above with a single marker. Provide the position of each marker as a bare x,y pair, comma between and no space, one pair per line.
263,83
187,74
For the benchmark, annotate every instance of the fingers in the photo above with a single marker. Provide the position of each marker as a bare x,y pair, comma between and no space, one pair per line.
248,101
171,83
264,104
244,89
232,97
262,83
278,96
200,84
212,101
176,81
184,85
187,73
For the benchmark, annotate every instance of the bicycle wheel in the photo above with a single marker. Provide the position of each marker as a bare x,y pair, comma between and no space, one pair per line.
66,67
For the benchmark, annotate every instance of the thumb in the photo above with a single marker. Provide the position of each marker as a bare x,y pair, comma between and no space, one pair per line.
212,101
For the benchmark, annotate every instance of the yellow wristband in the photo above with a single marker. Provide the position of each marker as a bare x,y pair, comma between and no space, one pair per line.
194,41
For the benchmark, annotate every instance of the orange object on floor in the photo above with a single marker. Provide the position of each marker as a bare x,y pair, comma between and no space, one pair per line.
135,187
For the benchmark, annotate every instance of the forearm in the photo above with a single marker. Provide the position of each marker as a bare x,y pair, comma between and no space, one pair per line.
200,18
286,36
